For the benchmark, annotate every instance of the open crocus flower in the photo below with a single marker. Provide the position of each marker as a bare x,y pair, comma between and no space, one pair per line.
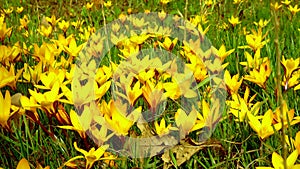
292,81
261,75
63,25
46,100
256,40
232,83
239,106
264,129
286,2
138,39
53,21
277,161
153,94
202,30
172,89
73,49
290,66
49,78
255,61
161,128
222,53
288,116
5,77
45,31
9,77
293,143
168,44
24,164
129,50
262,23
4,31
184,121
118,120
180,86
134,93
24,22
234,21
294,9
198,67
6,53
31,74
210,115
75,124
90,156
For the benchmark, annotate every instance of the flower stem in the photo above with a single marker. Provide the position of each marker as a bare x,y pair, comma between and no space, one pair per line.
278,85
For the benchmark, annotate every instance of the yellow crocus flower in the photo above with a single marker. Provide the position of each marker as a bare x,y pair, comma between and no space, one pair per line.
63,25
222,53
118,121
45,31
161,129
49,78
90,156
53,21
288,115
277,161
153,94
261,75
294,9
5,104
276,6
290,66
184,121
261,23
134,93
255,61
73,49
264,129
76,125
240,107
234,21
89,5
20,9
4,31
47,99
256,40
286,2
23,164
164,2
232,83
107,4
9,78
168,44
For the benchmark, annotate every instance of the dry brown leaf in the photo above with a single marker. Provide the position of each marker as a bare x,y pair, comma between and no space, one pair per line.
148,144
184,151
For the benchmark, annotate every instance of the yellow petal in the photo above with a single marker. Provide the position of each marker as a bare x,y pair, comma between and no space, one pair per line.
254,123
277,160
85,153
290,161
100,151
5,104
23,164
267,119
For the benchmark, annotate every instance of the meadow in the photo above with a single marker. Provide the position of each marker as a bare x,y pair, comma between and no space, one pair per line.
149,84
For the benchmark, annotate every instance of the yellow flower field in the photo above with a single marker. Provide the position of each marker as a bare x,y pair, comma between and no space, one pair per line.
150,84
